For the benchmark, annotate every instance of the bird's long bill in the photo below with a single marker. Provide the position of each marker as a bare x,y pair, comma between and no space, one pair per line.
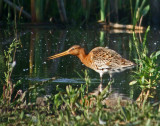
58,55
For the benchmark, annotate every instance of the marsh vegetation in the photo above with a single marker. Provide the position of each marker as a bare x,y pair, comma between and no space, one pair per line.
34,91
73,105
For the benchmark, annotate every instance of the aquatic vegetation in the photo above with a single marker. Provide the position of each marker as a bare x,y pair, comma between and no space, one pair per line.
140,11
8,86
73,107
79,12
147,75
102,10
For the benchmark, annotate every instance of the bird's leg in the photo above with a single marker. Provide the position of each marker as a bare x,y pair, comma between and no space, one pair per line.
111,76
101,80
111,81
100,85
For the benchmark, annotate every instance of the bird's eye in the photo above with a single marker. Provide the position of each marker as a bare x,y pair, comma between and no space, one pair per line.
73,48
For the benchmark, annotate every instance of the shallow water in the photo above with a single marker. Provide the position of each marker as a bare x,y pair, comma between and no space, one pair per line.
39,43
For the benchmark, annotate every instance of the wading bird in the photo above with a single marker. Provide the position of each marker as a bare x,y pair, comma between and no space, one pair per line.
102,60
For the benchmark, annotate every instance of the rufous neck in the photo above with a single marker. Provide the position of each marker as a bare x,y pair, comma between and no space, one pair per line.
85,58
82,55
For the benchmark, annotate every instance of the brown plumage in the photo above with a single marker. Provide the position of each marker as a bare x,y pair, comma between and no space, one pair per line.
100,59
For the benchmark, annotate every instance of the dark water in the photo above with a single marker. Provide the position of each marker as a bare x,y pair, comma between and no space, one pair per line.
39,43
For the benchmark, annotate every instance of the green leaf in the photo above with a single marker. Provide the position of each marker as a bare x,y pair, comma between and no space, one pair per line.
22,115
157,53
133,82
142,80
78,117
67,90
145,10
10,59
151,70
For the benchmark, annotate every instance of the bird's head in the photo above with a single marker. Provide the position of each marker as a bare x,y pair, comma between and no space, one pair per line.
74,50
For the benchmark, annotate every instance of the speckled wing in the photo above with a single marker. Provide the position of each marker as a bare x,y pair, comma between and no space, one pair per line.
104,58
